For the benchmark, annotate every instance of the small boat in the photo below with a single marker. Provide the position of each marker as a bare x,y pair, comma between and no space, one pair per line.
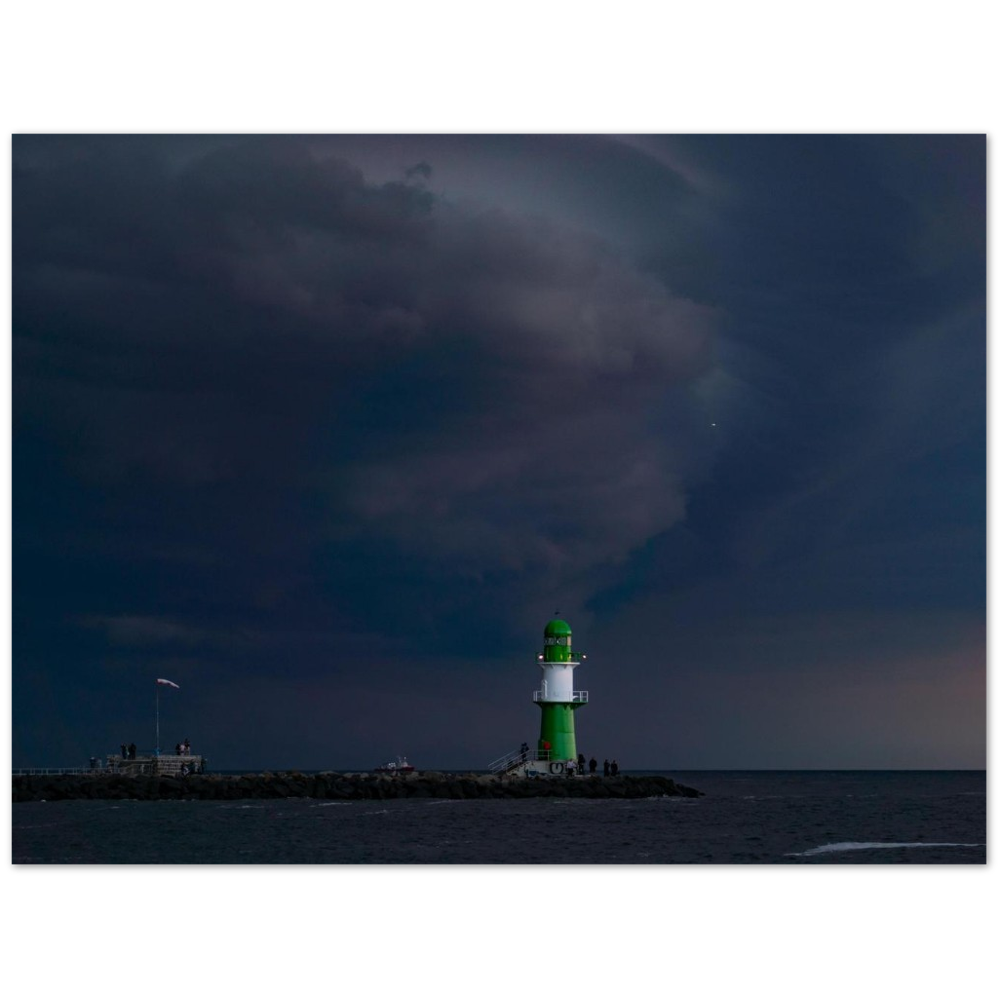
398,766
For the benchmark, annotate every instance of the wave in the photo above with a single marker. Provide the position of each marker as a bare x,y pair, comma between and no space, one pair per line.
873,846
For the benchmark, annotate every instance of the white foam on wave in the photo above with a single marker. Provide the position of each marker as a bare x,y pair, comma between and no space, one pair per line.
872,846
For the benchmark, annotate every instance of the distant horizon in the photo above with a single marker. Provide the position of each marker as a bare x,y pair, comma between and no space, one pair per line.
457,769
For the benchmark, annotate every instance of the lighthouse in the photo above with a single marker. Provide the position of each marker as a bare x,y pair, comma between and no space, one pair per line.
557,699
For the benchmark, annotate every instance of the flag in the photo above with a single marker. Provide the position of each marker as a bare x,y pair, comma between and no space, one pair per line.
163,680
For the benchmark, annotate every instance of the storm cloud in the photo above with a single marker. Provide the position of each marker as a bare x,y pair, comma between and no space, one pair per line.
477,386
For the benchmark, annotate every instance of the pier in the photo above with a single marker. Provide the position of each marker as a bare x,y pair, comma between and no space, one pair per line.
334,785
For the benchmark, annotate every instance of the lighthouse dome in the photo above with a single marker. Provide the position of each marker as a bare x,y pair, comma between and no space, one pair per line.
557,627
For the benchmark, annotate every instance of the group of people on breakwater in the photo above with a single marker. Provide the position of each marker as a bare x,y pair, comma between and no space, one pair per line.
581,765
585,766
180,750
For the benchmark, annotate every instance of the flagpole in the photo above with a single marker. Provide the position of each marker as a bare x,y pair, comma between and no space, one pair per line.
159,681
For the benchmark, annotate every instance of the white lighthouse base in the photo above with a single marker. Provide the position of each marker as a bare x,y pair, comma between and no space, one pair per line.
541,769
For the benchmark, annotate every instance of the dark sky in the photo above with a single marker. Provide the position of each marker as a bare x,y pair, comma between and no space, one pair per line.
324,429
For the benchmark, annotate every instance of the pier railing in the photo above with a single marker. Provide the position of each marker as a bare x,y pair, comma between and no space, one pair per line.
155,764
18,771
169,764
512,759
517,757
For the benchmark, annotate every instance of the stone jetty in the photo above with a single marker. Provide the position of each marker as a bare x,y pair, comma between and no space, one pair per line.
334,785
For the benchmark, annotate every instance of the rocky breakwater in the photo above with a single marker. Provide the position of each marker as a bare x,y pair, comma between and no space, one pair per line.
333,785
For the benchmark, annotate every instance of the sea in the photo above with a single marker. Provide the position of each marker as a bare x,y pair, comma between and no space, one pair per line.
744,818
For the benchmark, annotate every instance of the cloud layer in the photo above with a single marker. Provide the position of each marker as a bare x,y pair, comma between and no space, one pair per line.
480,387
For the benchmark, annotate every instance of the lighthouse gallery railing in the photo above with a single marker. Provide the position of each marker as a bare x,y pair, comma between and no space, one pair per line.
581,697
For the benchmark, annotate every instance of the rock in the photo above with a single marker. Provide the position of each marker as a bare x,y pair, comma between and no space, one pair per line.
294,784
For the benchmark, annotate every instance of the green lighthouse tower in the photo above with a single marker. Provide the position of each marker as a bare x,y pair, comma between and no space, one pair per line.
557,699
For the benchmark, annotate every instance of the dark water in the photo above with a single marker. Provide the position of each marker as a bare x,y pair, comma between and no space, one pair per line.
746,817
